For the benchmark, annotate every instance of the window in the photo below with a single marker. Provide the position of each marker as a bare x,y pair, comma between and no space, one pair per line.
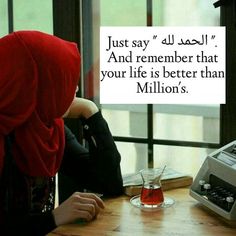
145,134
4,18
25,15
158,135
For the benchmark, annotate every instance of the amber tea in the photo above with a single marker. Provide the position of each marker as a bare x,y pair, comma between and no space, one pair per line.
152,195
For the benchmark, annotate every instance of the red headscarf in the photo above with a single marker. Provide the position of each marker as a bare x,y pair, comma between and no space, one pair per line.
38,78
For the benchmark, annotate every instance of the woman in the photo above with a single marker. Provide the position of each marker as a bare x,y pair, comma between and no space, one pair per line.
38,79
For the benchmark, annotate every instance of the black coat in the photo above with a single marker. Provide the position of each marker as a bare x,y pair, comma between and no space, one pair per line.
94,169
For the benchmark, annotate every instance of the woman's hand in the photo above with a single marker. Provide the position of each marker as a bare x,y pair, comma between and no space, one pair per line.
81,107
78,206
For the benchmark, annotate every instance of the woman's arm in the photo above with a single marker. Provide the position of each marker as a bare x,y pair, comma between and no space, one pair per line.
98,168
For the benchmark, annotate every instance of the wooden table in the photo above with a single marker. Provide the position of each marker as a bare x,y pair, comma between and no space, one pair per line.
185,217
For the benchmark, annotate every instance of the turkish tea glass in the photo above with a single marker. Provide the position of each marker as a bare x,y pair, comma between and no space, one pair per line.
151,193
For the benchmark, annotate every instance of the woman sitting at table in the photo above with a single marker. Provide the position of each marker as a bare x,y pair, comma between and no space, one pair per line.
38,79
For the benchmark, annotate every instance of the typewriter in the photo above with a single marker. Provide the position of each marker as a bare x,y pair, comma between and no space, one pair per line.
215,183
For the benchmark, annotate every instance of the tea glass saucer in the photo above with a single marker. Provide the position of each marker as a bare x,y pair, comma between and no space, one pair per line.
135,201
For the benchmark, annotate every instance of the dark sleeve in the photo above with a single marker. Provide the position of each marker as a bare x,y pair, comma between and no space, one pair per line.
97,168
11,222
30,225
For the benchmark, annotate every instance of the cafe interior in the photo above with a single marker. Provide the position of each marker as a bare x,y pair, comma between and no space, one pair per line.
191,146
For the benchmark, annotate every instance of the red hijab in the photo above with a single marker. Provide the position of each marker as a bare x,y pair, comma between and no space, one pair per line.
38,78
